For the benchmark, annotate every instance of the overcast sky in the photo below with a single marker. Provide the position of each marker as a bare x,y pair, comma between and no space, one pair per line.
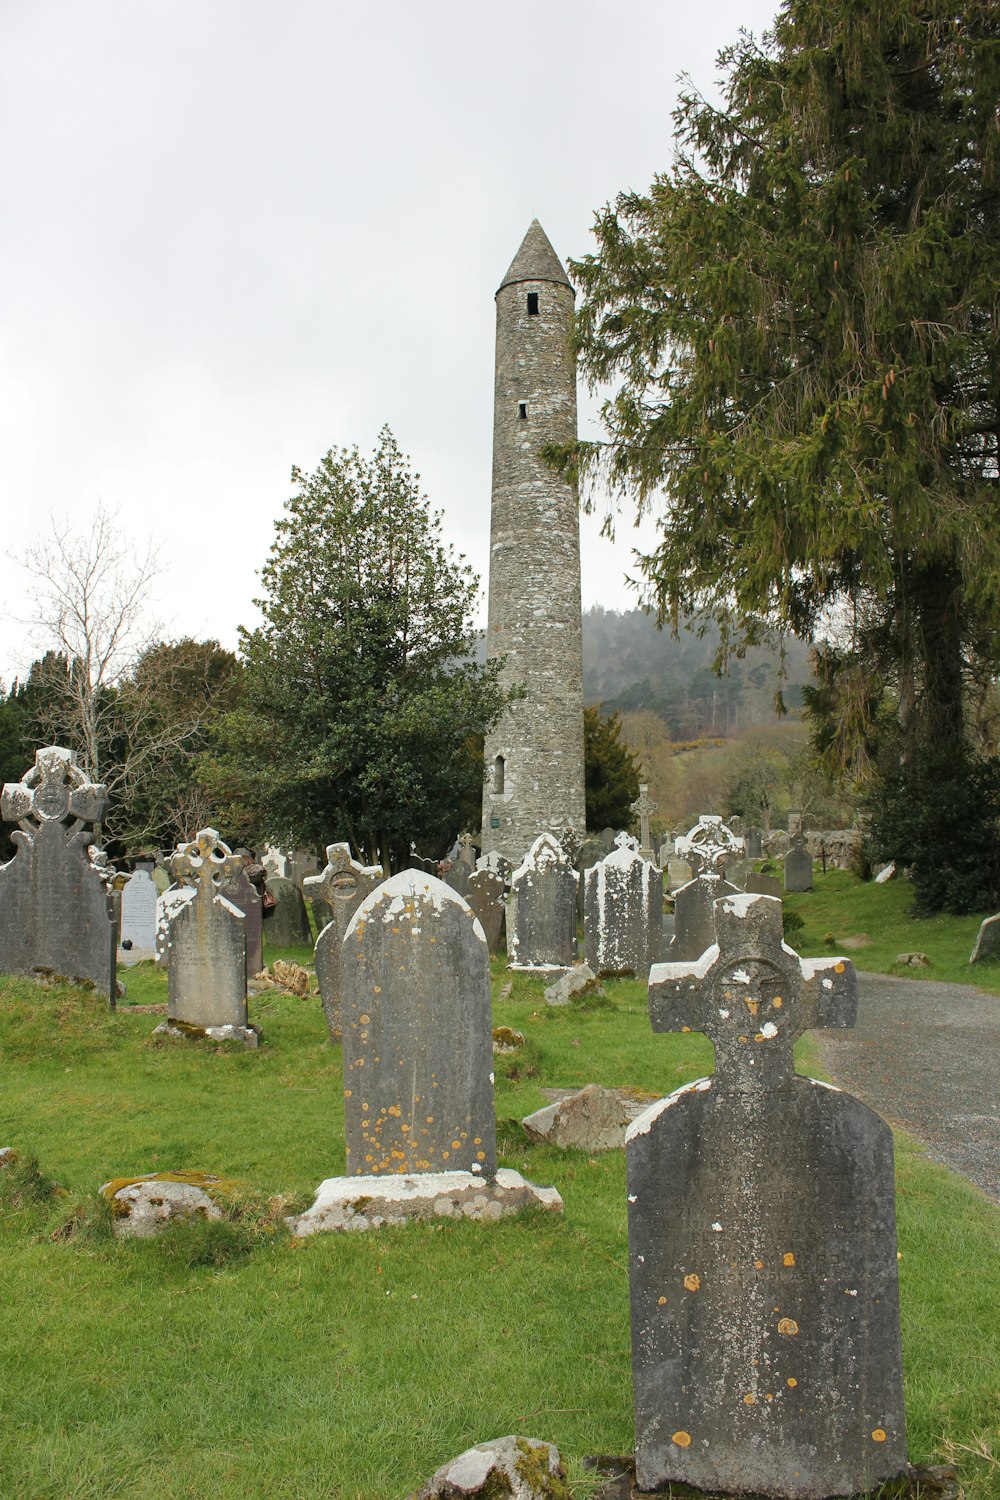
240,232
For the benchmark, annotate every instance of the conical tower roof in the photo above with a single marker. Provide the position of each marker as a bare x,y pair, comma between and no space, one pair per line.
536,260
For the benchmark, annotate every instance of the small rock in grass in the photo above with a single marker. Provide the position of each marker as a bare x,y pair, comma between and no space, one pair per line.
594,1119
857,940
506,1039
580,982
523,1468
142,1209
913,960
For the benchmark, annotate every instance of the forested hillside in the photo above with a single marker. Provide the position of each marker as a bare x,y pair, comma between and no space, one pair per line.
629,665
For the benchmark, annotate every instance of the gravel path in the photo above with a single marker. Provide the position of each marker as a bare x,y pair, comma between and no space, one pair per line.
926,1056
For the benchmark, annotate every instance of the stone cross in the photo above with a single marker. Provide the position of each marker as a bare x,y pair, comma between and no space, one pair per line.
709,846
625,840
57,907
467,850
206,938
763,1283
343,885
642,807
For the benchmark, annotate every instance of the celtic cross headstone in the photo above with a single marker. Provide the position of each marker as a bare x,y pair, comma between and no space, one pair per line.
643,808
762,1247
207,959
57,908
343,885
707,849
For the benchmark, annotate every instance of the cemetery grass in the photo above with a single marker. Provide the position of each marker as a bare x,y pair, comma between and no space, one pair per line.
231,1360
842,907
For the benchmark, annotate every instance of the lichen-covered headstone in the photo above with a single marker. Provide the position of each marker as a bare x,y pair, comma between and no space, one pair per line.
207,965
798,865
987,941
342,885
623,912
138,915
417,1033
288,925
57,910
541,910
762,1248
485,894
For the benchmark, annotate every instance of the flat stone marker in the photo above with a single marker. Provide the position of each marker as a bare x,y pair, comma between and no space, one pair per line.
343,885
485,894
207,966
541,911
798,865
623,912
417,1031
57,908
138,915
762,1244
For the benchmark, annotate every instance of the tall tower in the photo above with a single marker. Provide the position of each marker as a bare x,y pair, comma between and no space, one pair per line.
534,757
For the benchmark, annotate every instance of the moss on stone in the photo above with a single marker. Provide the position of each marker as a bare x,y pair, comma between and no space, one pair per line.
532,1465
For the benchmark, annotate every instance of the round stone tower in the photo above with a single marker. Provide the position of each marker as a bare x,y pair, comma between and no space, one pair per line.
534,758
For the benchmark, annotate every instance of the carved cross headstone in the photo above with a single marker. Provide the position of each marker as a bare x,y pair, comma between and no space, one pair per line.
643,807
798,865
709,846
207,965
485,894
763,1284
343,885
467,850
57,908
418,1048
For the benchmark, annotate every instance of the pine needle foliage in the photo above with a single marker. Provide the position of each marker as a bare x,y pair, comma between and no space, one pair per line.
802,319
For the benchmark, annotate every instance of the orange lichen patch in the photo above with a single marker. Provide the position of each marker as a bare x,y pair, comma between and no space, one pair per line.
791,1382
477,1141
758,1265
777,1002
365,1020
348,1093
455,1145
839,968
692,1281
686,1028
682,1439
759,1036
430,1119
787,1325
753,1006
749,1399
788,1259
744,1038
662,1301
878,1436
480,1155
769,1396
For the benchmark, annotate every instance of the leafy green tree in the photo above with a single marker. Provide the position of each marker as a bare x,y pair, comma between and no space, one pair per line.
361,697
802,319
611,772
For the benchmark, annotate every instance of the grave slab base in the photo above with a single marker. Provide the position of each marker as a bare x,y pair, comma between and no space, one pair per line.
249,1035
919,1482
359,1203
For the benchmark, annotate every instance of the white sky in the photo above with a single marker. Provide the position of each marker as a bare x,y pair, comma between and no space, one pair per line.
240,232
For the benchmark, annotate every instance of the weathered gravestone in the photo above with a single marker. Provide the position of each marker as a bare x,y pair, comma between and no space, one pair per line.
759,884
138,915
343,885
419,1121
762,1247
456,875
987,941
798,865
607,837
467,850
643,808
754,843
160,879
623,912
541,910
708,848
207,965
288,925
485,894
57,909
242,892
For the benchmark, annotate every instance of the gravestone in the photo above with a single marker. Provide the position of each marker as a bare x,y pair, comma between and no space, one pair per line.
762,1249
798,865
591,851
541,910
608,839
241,891
623,912
763,885
643,807
160,879
322,912
456,875
276,862
677,871
754,843
138,915
467,851
288,925
708,848
57,908
485,894
207,966
987,941
497,862
343,884
418,1044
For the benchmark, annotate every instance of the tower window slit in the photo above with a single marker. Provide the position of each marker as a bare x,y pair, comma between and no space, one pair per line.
498,774
533,304
522,410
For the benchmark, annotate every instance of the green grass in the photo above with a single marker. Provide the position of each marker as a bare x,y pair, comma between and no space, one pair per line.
231,1361
841,906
